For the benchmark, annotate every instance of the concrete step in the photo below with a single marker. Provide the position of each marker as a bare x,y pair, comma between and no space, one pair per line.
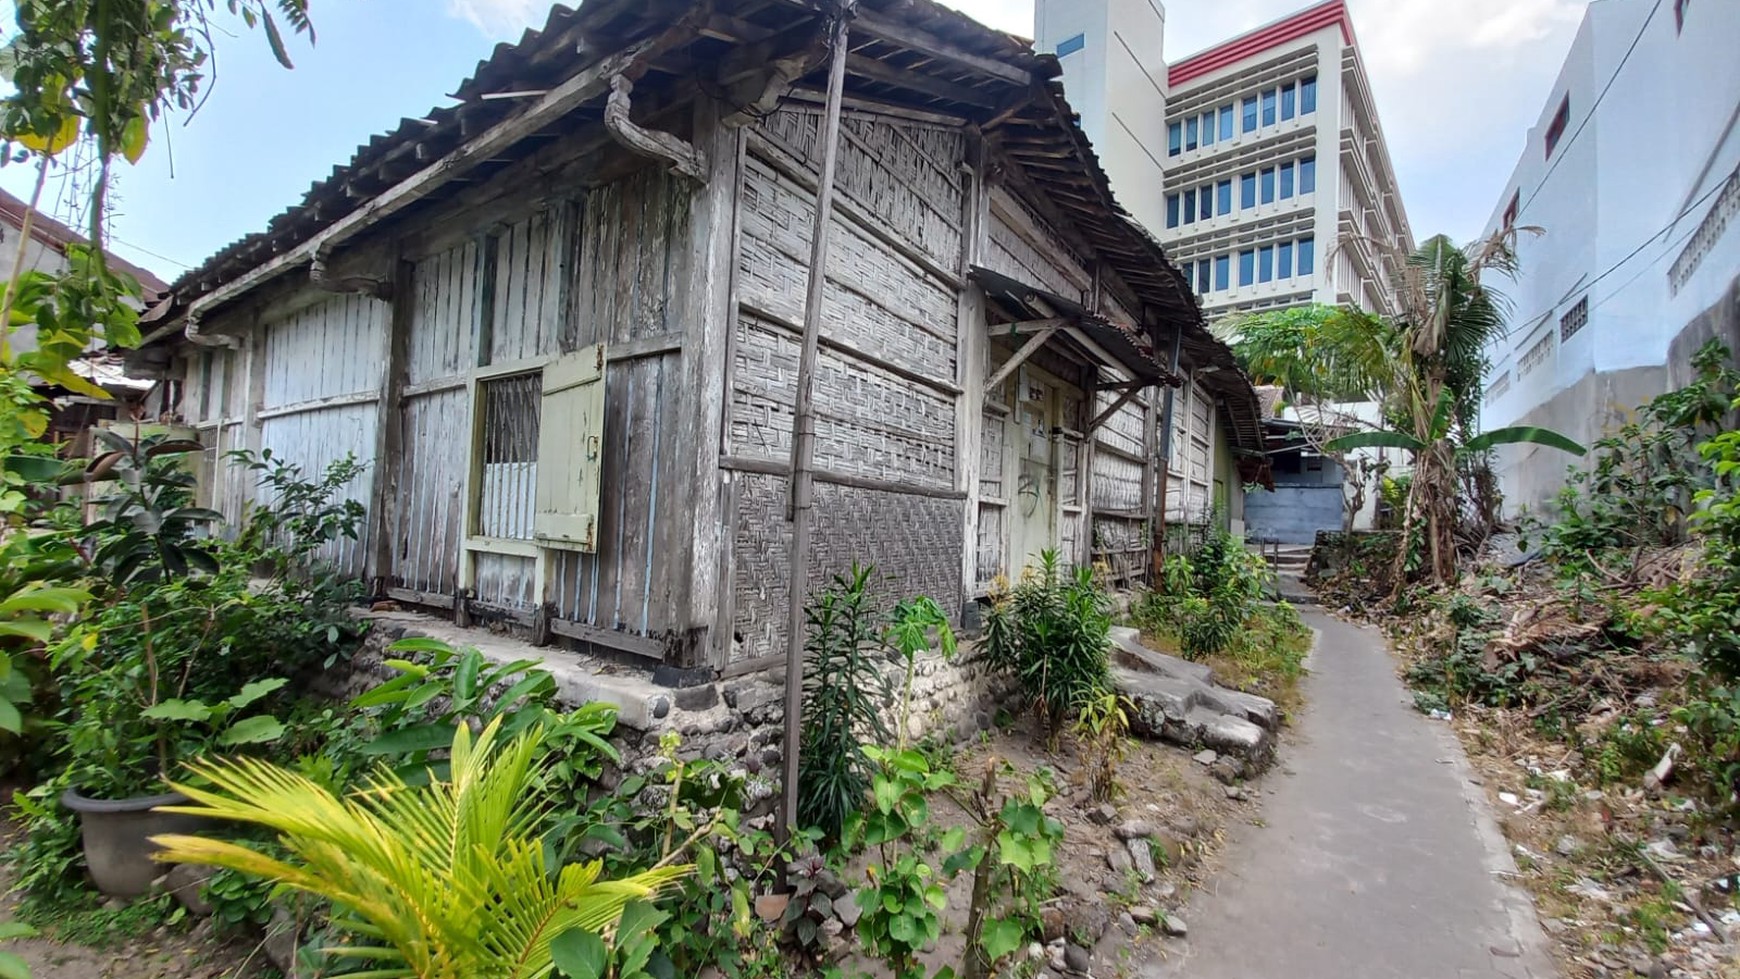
1178,701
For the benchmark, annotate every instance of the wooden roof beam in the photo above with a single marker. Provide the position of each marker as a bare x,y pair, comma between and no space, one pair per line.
884,73
874,24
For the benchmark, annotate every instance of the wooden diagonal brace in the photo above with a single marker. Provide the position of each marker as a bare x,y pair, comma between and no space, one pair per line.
1112,409
683,157
1033,343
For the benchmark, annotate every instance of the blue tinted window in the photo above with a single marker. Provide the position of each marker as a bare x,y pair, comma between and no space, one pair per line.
1223,272
1190,133
1265,263
1189,207
1308,175
1269,186
1284,260
1174,139
1171,210
1269,107
1207,128
1286,180
1070,46
1308,95
1287,102
1307,261
1247,267
1226,122
1223,197
1205,202
1250,108
1202,276
1248,190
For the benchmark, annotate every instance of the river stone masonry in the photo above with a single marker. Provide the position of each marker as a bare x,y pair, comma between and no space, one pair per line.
1178,701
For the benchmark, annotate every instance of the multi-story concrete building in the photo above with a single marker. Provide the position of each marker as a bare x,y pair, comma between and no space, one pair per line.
1260,165
1259,162
1633,174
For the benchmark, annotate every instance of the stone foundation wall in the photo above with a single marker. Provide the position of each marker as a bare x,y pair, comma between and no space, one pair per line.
737,722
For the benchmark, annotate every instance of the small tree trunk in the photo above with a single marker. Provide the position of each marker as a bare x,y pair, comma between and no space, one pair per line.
974,963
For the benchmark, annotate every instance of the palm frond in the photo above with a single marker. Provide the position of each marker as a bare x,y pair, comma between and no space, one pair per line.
444,879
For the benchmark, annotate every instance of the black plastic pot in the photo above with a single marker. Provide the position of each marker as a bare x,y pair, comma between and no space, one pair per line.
117,837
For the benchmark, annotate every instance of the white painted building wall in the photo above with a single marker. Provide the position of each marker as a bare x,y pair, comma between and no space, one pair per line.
1639,259
1114,75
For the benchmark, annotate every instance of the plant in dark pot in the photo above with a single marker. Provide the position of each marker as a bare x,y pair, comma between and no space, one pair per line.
175,661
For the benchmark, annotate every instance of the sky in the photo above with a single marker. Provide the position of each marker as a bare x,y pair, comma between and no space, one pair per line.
1457,84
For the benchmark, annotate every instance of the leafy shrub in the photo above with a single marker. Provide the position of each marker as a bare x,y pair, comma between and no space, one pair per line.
1051,633
1206,599
1102,735
1647,477
844,693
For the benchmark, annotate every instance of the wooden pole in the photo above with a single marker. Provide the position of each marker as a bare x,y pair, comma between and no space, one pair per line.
1165,469
803,442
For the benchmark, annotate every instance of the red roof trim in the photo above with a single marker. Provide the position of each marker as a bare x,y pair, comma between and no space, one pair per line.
1307,21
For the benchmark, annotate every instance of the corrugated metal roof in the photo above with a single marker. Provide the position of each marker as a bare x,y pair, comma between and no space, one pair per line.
914,53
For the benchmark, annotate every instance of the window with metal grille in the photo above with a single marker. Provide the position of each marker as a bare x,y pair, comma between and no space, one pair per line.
1574,319
509,408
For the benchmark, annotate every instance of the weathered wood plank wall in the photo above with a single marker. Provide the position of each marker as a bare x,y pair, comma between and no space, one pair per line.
321,398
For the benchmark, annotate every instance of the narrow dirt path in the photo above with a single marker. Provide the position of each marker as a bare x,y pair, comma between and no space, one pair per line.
1376,857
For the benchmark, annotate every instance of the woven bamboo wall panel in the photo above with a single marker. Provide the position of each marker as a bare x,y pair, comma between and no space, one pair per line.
1012,254
1117,483
991,439
869,422
908,174
1126,429
914,542
630,262
876,301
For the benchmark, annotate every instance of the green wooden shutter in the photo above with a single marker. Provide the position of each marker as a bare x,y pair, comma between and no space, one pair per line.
571,451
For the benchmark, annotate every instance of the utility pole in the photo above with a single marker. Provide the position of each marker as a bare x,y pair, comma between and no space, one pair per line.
803,442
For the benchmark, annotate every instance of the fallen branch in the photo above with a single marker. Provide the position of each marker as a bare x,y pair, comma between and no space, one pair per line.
1690,896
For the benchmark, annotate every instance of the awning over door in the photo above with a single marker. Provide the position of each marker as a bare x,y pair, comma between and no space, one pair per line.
1060,319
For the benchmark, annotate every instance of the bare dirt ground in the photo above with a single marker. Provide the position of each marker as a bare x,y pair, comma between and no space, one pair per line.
183,950
1103,907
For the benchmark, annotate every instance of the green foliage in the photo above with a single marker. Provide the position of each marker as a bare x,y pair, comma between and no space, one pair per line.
1102,736
12,965
909,631
442,879
1014,864
1206,599
149,530
903,901
1646,476
844,692
1051,634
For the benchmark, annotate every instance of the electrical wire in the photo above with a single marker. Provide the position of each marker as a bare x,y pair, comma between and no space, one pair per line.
1565,146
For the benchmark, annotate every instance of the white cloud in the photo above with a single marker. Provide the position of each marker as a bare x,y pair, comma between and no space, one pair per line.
500,18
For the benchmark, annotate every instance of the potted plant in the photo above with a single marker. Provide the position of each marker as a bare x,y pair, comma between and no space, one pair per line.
154,674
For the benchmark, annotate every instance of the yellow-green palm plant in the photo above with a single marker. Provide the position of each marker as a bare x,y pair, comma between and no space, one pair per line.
440,881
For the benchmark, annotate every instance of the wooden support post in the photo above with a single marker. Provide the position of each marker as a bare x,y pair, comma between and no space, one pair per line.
1165,472
389,429
709,312
971,343
804,422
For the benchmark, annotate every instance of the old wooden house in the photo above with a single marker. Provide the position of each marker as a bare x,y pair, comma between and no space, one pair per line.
560,321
